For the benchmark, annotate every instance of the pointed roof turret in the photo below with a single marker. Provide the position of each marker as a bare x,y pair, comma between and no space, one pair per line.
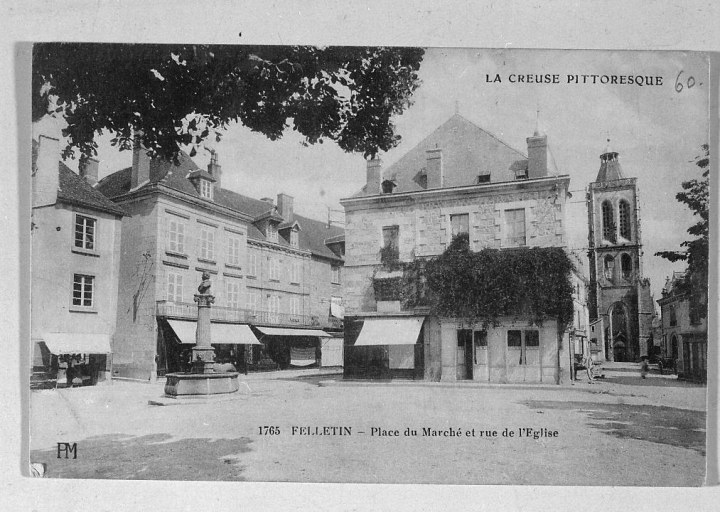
610,169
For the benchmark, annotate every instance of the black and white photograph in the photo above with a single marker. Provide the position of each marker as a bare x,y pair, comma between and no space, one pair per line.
369,264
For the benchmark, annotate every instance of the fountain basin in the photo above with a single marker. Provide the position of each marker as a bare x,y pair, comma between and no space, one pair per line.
200,385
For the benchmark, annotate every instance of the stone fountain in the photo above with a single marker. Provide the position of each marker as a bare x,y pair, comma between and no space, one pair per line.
203,380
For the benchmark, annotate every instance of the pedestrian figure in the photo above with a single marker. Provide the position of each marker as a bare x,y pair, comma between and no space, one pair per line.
644,367
589,368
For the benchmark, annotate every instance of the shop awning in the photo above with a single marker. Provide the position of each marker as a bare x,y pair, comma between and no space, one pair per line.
77,343
239,334
390,331
233,333
288,331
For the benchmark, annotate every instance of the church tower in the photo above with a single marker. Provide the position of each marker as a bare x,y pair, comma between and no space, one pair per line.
619,295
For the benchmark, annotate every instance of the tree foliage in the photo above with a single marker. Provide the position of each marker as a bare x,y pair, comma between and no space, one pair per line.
179,95
485,285
695,195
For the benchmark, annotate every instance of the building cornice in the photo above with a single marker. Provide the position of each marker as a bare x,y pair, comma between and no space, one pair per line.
485,188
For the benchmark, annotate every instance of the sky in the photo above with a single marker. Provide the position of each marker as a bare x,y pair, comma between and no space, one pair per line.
656,130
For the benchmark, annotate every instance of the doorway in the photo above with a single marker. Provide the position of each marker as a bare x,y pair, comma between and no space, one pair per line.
465,360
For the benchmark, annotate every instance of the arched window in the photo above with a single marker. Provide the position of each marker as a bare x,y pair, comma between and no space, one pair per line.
608,221
608,266
624,215
626,266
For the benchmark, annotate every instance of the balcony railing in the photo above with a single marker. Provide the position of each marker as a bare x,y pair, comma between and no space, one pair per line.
188,311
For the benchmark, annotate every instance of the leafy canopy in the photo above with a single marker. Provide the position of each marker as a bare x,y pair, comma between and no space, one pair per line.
485,285
179,95
695,195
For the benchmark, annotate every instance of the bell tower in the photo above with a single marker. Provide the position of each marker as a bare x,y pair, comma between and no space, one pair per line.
619,294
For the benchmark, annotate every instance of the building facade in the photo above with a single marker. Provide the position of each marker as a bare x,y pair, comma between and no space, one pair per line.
76,234
619,294
459,180
684,328
262,259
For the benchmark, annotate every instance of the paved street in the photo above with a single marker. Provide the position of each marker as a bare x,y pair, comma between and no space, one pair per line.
621,430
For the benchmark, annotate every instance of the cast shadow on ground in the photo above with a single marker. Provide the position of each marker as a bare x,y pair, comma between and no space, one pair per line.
652,380
663,425
150,457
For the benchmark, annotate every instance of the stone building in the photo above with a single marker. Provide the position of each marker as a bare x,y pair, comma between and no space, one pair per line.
273,275
684,328
460,179
74,270
619,294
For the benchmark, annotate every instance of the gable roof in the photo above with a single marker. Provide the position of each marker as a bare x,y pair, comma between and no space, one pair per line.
73,189
467,152
311,237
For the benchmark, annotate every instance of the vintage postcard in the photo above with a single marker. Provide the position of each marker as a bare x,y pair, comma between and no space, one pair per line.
369,264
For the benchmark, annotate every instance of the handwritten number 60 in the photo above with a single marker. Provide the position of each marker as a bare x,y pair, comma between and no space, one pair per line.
689,83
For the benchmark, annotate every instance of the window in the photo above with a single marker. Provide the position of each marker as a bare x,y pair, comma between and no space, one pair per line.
483,178
521,174
522,340
391,247
515,227
176,236
206,189
459,224
608,221
625,219
274,264
294,238
626,266
514,338
252,264
232,294
174,287
273,308
253,301
673,317
422,180
207,243
83,288
295,306
272,234
532,338
389,185
608,267
335,274
233,250
295,272
480,338
85,232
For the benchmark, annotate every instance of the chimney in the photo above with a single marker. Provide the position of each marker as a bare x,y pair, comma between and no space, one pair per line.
89,171
46,171
141,163
434,168
285,206
537,156
374,176
215,169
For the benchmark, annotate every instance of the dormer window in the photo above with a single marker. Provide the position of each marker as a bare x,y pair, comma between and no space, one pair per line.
206,189
272,234
484,178
294,238
520,174
388,186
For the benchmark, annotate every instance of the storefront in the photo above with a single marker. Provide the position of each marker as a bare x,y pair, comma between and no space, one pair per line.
290,348
384,348
77,359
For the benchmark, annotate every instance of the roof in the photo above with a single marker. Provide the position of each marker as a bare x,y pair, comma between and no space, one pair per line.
467,152
610,169
311,236
73,189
